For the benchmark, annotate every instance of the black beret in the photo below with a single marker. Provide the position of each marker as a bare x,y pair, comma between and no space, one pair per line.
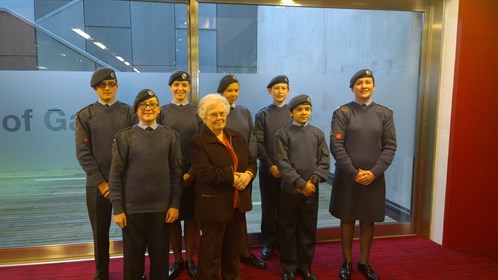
179,76
144,94
225,82
299,100
278,80
102,74
363,73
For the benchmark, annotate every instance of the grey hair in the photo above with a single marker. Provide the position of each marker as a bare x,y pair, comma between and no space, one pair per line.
211,99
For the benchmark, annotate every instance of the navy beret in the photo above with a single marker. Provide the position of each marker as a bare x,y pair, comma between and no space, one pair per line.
225,82
278,80
299,100
179,76
144,94
363,73
102,74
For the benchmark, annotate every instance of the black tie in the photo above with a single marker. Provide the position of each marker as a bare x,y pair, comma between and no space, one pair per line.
149,128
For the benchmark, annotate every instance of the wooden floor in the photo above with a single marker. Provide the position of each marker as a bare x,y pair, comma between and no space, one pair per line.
43,207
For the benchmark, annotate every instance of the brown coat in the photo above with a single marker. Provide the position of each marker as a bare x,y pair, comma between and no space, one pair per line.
213,175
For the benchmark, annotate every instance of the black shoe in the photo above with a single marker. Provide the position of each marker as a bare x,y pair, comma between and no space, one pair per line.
191,268
306,275
267,252
251,259
367,271
176,269
288,276
346,270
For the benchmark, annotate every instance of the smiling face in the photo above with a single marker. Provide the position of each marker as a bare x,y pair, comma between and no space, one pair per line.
301,113
216,117
279,93
363,89
148,110
231,93
180,90
106,90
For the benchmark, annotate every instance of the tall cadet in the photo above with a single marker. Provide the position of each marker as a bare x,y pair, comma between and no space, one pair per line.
363,143
181,116
268,120
96,125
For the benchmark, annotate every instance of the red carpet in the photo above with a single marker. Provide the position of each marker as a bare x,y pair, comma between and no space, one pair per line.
403,258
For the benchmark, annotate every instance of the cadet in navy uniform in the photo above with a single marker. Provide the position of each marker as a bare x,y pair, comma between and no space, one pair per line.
240,119
146,188
96,126
268,120
303,160
181,116
363,143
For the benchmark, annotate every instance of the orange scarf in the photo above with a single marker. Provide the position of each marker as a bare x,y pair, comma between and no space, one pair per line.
235,165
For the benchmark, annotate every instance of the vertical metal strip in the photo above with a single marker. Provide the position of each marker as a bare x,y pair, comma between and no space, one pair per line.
193,48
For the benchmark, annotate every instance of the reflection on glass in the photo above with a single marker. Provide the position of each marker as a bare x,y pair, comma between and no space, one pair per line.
318,49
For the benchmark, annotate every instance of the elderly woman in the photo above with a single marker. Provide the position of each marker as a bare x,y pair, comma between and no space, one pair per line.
240,119
223,167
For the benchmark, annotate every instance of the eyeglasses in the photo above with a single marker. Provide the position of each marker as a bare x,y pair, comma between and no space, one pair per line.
216,115
151,105
104,85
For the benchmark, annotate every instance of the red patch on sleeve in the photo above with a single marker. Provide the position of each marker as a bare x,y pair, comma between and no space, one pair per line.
338,136
85,139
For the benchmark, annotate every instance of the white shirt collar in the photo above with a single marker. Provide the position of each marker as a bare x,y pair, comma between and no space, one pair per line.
178,104
143,126
108,103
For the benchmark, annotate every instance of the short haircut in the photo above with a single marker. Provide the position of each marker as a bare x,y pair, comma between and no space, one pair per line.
211,99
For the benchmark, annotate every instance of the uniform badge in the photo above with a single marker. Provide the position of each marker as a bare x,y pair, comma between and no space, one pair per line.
85,139
368,72
112,75
184,76
338,136
150,92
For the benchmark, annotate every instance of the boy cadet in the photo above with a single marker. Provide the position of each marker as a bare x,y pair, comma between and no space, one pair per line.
181,116
303,161
267,121
96,126
145,188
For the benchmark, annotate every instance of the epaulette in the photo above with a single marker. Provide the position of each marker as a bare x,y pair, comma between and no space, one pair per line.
383,107
344,108
171,130
264,109
124,129
84,108
119,133
87,108
125,104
